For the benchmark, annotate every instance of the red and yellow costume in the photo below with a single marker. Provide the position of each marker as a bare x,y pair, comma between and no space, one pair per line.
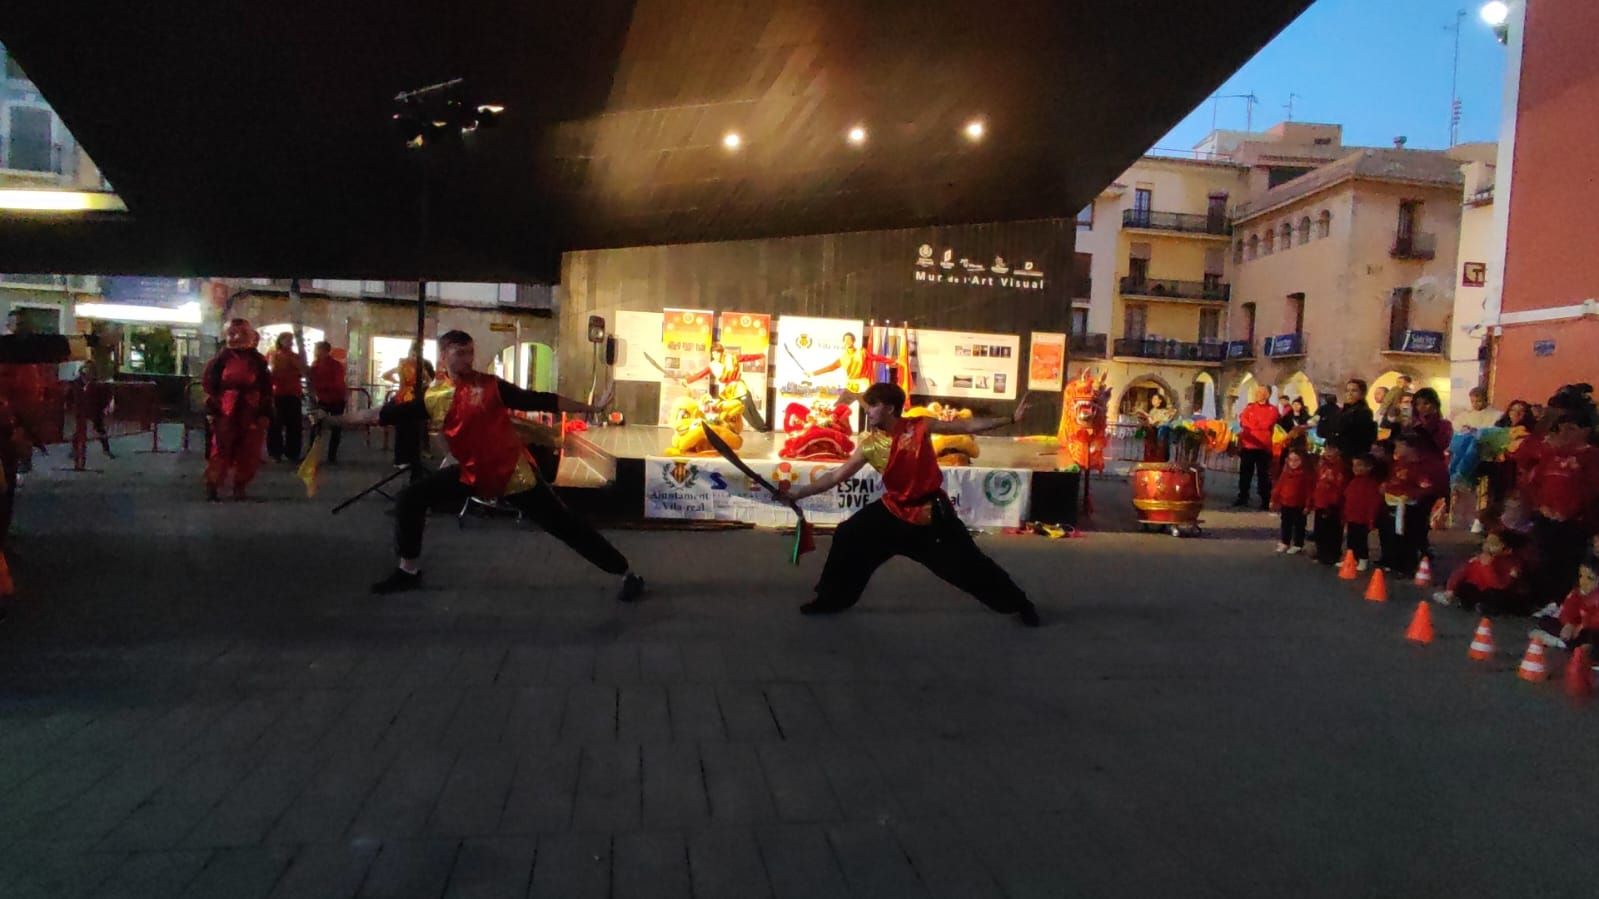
727,369
691,416
238,390
473,419
853,361
819,433
1082,422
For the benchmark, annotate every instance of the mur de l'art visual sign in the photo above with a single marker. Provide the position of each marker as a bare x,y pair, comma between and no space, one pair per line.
962,271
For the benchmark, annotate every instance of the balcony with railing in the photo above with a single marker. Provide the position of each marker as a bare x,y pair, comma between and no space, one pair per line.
1283,346
1238,350
1212,291
1081,286
1414,246
1178,222
1087,345
1203,352
1416,343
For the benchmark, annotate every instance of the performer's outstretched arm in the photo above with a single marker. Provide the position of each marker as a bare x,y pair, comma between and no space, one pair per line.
514,397
832,479
976,425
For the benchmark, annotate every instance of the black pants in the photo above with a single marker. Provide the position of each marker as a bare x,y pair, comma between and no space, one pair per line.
333,437
1293,529
1254,463
874,535
1560,547
408,438
283,436
1357,539
1495,603
1329,536
1401,553
444,487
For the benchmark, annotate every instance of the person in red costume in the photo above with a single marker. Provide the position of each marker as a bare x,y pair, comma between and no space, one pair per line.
329,391
1362,506
1562,491
472,411
1417,479
726,370
817,433
238,402
853,361
914,517
1327,501
1256,424
1290,497
283,439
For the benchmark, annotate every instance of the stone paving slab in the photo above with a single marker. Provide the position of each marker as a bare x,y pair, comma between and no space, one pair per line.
201,700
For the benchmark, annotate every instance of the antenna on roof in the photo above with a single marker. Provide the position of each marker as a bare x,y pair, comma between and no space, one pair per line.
1290,105
1249,108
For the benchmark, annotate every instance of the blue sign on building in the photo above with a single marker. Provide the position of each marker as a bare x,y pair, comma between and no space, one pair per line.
139,291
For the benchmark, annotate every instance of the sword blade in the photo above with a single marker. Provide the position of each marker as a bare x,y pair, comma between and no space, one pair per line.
726,452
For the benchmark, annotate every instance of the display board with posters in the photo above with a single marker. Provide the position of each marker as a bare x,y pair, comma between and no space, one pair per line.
1046,361
749,334
808,345
685,349
712,489
638,340
967,364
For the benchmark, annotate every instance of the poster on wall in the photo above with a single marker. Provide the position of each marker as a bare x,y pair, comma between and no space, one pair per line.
747,336
1046,361
813,358
685,349
967,364
638,339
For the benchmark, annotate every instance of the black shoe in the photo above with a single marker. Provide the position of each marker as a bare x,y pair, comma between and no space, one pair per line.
817,607
1240,503
398,582
632,589
211,495
1028,614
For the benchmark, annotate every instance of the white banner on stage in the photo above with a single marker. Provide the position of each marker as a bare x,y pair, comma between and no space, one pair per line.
807,345
712,488
967,364
637,333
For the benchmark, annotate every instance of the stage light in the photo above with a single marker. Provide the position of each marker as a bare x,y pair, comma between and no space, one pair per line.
731,140
857,135
60,201
975,129
1495,13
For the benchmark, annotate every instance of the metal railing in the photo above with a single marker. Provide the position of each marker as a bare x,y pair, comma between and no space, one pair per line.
1175,289
1088,344
1414,246
1175,350
1124,444
1183,222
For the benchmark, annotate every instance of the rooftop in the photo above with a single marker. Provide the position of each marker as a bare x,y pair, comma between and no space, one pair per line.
1432,167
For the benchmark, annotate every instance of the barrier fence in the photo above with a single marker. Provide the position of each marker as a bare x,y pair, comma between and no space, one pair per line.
1125,444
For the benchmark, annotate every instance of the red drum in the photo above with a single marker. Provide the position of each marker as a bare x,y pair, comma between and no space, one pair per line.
1168,494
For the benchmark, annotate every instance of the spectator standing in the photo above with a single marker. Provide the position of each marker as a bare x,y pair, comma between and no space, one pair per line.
330,392
1256,423
288,375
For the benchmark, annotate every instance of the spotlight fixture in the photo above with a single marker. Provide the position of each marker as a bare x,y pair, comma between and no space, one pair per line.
438,111
732,141
974,130
1495,12
857,135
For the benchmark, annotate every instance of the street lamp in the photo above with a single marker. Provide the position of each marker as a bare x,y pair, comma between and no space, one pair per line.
1496,15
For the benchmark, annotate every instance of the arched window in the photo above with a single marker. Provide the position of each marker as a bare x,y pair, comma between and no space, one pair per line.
1270,242
1304,230
1324,224
1288,235
1254,245
1238,252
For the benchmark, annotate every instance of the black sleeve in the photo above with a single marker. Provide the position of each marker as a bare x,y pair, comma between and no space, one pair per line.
394,413
34,349
514,397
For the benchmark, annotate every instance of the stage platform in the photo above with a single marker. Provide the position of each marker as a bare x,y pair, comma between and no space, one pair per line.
613,458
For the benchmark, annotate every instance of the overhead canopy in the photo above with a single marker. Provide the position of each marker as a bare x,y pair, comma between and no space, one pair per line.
254,138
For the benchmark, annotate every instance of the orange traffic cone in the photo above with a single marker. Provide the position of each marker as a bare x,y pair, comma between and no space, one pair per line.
1424,573
1420,630
1532,664
1377,590
1346,569
1579,674
1482,642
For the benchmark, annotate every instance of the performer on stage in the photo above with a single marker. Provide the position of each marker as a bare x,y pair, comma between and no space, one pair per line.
854,361
726,371
471,410
914,517
238,402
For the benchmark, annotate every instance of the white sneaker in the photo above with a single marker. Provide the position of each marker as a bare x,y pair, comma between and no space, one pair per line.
1476,527
1363,564
1282,547
1295,550
1548,611
1444,598
1546,638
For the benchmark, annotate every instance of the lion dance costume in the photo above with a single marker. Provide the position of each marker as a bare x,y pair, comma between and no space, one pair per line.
819,433
238,401
1082,422
690,418
952,449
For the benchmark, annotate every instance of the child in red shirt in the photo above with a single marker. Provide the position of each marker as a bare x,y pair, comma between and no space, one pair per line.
1488,581
1578,621
1362,506
1290,496
1327,501
1562,493
1415,481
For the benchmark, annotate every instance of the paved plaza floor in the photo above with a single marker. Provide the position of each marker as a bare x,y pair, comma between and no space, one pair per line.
202,700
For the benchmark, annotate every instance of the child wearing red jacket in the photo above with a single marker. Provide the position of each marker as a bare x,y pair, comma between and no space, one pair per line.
1290,497
1488,582
1562,493
1362,507
1578,621
1415,481
1327,501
